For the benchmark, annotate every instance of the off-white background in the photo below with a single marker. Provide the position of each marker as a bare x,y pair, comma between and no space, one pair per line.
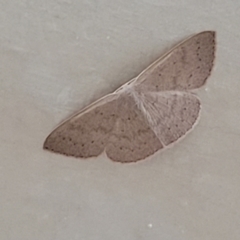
58,56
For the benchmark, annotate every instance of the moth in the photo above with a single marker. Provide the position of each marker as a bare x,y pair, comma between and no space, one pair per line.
146,114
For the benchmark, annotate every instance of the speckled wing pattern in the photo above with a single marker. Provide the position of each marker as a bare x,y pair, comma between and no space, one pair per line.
114,124
170,114
86,134
148,113
132,139
187,66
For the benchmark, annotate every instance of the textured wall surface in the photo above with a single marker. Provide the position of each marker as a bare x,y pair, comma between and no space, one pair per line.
58,56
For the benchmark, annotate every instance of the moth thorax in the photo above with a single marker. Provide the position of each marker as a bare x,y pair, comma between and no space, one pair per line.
126,88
